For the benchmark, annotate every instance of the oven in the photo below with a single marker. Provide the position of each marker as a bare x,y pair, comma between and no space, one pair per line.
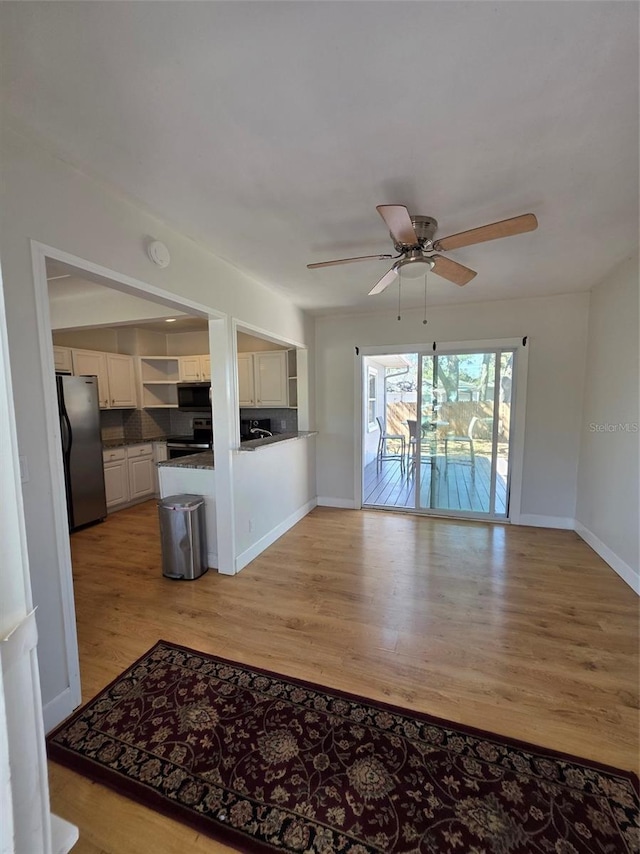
201,440
184,449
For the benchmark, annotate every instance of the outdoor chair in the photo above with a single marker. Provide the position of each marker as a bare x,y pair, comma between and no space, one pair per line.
386,453
412,445
462,440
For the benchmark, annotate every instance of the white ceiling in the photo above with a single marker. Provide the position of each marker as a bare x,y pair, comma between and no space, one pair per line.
66,284
269,131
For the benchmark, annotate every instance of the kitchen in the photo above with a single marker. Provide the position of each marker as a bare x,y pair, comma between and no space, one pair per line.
153,378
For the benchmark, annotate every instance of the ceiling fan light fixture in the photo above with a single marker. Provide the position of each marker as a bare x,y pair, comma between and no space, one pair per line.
414,265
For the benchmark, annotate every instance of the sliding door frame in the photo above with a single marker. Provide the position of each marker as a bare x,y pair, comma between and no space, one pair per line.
520,346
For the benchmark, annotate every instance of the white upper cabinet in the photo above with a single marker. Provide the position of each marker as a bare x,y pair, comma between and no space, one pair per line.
122,381
270,377
190,371
246,393
92,363
262,379
195,369
205,367
62,359
115,373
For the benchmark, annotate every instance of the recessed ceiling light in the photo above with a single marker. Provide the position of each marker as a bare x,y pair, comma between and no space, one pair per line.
171,319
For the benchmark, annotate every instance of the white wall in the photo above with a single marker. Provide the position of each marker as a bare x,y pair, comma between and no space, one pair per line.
608,474
187,343
88,339
273,488
44,199
141,342
556,328
252,344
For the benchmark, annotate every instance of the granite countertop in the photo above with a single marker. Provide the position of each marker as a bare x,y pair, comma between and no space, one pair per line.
192,461
257,444
122,443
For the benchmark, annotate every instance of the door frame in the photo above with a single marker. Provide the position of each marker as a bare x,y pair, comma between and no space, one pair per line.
521,348
222,382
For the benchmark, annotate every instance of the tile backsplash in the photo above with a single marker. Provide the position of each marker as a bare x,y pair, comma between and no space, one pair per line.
137,425
182,422
288,417
142,424
111,425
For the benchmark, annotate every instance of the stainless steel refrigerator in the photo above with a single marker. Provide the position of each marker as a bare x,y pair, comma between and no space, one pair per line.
81,449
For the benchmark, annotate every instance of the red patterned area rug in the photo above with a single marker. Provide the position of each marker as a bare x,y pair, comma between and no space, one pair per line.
267,763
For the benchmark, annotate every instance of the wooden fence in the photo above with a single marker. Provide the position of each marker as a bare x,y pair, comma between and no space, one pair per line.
457,414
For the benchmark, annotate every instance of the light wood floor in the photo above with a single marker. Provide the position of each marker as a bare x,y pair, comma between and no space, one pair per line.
521,631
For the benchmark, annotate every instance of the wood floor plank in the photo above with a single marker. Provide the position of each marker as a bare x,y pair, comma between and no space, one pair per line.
522,631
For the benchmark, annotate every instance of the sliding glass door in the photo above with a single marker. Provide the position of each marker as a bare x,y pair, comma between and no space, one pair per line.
437,431
461,460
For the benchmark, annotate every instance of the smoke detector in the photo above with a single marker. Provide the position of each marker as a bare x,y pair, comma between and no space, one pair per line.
158,253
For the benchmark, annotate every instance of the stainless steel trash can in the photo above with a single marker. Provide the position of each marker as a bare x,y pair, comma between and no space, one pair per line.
182,534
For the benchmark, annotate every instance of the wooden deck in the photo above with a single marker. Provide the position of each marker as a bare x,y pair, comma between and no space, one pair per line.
443,486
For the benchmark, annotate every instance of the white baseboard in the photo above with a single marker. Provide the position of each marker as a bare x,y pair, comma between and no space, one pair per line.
616,563
344,503
56,710
212,560
274,534
63,835
535,521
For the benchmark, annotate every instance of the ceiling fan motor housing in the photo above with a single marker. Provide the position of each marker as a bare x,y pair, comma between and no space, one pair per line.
425,228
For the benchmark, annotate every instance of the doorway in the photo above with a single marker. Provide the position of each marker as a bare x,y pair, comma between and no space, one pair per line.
53,264
438,431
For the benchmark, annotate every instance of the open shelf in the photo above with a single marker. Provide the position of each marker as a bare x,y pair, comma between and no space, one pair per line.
159,369
159,377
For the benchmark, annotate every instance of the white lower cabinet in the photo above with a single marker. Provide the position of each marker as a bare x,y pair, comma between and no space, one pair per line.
116,478
129,474
141,478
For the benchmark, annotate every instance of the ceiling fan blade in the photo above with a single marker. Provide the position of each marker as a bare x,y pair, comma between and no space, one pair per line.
451,270
384,282
399,224
504,228
347,261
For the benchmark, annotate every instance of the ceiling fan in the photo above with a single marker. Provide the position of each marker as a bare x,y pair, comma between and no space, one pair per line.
413,240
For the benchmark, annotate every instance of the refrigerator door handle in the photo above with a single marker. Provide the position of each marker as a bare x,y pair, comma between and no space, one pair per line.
65,429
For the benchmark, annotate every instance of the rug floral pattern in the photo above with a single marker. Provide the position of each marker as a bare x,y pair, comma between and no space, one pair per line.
283,766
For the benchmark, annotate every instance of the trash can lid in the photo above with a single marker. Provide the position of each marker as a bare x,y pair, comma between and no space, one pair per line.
181,502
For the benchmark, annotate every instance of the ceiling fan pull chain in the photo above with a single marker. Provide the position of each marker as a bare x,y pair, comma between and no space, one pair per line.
424,322
399,294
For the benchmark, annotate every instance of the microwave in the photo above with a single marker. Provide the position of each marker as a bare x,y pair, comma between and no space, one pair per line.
194,396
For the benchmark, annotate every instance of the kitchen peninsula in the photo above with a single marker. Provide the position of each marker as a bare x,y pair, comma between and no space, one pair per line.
195,475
